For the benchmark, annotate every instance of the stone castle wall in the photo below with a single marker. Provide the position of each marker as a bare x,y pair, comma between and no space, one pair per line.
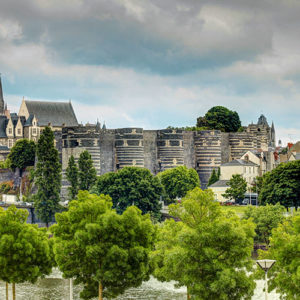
156,150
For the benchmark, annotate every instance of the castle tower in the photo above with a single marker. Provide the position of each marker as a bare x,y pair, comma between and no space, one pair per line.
1,98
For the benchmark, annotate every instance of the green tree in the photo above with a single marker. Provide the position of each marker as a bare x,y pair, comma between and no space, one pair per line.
178,181
282,185
266,218
87,173
213,178
237,188
258,184
284,276
22,154
104,251
131,186
220,118
25,254
208,251
219,173
72,176
47,177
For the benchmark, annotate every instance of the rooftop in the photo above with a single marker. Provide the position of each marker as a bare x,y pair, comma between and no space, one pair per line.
240,162
219,183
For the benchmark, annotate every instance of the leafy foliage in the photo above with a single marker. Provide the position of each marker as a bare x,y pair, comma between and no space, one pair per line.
208,251
72,176
282,185
220,118
237,188
178,181
131,186
213,178
258,183
284,276
22,154
266,218
47,177
25,254
95,245
87,172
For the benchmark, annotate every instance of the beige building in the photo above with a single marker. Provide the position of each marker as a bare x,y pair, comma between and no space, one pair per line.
246,168
219,189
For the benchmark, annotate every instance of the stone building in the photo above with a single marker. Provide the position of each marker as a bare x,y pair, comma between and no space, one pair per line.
32,118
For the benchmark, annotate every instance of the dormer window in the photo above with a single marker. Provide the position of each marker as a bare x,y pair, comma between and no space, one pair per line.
34,131
10,131
19,131
34,123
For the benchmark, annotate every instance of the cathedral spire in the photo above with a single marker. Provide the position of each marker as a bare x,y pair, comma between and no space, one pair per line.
1,98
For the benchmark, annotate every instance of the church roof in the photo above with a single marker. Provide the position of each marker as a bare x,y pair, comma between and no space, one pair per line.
262,120
56,113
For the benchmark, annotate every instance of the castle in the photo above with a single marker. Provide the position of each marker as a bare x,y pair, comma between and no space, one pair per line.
113,149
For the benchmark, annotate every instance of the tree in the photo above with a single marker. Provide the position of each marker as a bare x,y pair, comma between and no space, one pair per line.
72,176
213,178
178,181
25,254
258,183
22,154
208,251
237,188
131,186
87,173
266,218
102,250
47,177
282,185
284,276
220,118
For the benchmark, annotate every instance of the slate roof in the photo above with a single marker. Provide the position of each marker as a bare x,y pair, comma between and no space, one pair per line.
219,183
56,113
3,124
240,162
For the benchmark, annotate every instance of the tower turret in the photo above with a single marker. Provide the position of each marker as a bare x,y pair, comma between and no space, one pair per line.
1,98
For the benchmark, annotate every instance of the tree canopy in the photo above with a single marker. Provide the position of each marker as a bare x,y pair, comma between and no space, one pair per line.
178,181
47,177
87,173
282,185
208,251
284,276
102,250
131,186
266,218
214,177
72,176
25,253
22,154
237,188
220,118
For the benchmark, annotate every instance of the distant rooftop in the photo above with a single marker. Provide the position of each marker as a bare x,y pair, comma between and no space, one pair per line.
56,113
219,183
240,162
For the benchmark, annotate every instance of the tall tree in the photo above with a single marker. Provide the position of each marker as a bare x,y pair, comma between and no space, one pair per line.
22,154
87,173
72,176
48,177
178,181
25,254
208,251
220,118
266,218
284,276
131,186
104,251
213,178
237,188
282,185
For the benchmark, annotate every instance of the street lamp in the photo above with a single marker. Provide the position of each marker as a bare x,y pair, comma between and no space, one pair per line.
266,265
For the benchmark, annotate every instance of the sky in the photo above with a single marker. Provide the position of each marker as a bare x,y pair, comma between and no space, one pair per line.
155,63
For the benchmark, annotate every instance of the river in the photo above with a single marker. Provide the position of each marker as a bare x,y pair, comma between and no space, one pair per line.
53,288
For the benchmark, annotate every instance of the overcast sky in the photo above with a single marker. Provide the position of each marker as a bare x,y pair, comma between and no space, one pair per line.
155,63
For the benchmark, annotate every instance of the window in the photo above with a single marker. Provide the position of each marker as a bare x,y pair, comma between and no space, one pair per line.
10,131
34,131
10,143
19,131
